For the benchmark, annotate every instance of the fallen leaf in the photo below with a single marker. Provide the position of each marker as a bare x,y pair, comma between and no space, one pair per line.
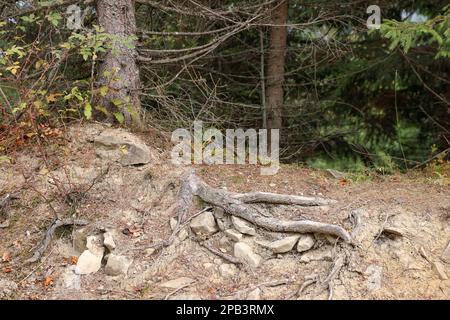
73,260
343,182
6,257
6,269
48,281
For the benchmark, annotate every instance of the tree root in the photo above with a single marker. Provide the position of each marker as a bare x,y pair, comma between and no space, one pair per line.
49,235
236,205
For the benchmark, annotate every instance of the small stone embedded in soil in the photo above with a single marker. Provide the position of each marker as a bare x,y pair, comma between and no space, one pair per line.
254,294
243,226
89,262
374,273
244,252
95,244
305,242
440,269
284,245
71,280
228,270
204,224
173,223
234,235
177,283
316,256
183,234
392,232
117,265
108,241
446,254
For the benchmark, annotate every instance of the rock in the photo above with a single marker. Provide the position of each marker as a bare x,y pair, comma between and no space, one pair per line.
79,240
177,283
233,235
439,268
283,245
228,270
305,242
254,295
71,280
89,262
392,232
183,235
95,245
149,251
446,254
219,213
244,252
243,226
173,223
220,224
7,288
375,273
336,174
224,242
120,145
117,265
204,224
108,241
209,265
316,256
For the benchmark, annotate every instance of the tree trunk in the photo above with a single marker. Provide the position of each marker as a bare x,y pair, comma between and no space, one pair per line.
119,71
276,64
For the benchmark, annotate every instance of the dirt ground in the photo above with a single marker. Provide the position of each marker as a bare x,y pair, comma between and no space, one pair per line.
134,201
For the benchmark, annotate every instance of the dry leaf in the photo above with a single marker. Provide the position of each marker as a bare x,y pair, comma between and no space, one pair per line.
6,257
73,260
48,281
6,269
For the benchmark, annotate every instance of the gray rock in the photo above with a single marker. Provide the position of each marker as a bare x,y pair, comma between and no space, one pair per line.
284,245
233,235
440,269
228,270
305,242
89,262
374,273
204,224
177,283
95,244
244,252
316,256
254,294
183,235
446,254
108,241
120,145
7,288
173,223
117,265
243,226
71,280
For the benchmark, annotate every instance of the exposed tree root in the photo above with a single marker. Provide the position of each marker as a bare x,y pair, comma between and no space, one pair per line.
49,235
236,205
219,253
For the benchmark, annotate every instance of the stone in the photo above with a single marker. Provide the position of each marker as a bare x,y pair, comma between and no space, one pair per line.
392,232
108,241
95,244
305,242
243,226
177,283
71,280
374,273
439,268
219,213
316,256
173,223
283,245
446,254
89,262
228,270
120,145
204,224
254,294
117,265
183,235
244,252
7,288
233,235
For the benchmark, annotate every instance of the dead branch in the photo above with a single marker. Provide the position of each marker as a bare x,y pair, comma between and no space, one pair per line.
49,235
273,198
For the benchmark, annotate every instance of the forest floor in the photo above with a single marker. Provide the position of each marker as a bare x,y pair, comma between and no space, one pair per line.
398,251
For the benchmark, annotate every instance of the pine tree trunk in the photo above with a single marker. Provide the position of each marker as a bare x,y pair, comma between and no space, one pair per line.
275,65
119,71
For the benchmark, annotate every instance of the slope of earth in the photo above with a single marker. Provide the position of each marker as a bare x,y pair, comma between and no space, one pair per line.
399,248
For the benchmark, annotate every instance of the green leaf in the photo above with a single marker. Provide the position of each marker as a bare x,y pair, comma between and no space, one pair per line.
119,116
88,110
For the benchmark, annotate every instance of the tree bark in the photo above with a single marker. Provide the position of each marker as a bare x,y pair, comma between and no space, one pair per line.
275,65
122,73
